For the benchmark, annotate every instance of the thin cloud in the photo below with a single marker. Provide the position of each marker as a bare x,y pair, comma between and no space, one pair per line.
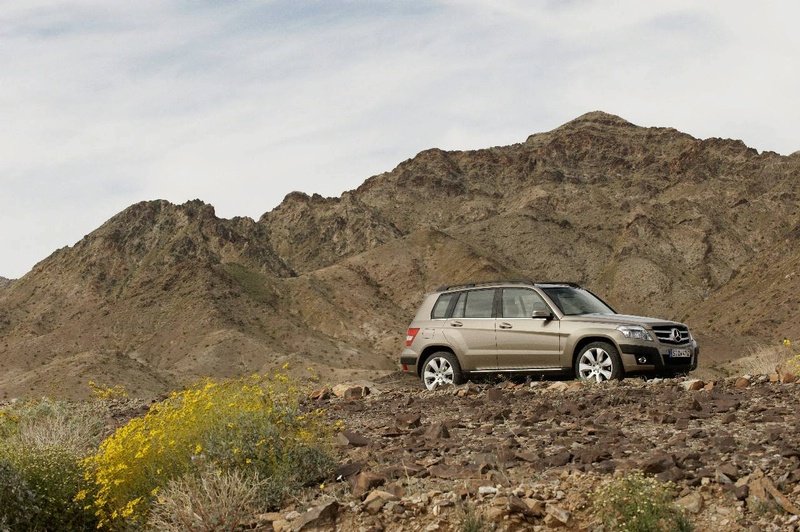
238,104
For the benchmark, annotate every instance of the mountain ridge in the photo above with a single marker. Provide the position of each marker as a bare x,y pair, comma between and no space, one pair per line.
657,221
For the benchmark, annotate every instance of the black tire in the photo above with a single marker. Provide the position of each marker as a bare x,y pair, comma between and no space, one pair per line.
442,369
598,361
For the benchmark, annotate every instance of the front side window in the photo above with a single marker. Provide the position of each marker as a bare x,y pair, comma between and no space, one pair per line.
576,301
521,302
475,304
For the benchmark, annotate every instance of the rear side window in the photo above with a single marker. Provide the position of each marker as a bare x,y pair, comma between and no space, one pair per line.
442,304
475,304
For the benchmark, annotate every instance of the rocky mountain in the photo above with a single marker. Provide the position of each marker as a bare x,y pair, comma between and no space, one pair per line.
4,282
657,221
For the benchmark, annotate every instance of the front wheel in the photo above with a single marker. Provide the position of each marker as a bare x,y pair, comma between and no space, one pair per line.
598,361
441,369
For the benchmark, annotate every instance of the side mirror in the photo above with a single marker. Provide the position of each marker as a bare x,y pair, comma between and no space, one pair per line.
542,314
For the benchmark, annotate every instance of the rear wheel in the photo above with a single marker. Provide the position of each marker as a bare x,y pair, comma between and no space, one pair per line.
441,369
598,361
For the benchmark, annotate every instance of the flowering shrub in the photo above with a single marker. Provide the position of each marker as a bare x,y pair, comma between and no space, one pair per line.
638,503
103,392
792,357
252,424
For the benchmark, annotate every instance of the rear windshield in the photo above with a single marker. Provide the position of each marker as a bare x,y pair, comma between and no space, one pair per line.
576,301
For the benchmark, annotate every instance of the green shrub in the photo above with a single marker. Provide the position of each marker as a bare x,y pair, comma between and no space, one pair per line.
471,521
42,444
17,501
38,487
638,503
251,424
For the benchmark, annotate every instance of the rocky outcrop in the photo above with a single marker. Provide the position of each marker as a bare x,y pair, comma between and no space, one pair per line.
523,455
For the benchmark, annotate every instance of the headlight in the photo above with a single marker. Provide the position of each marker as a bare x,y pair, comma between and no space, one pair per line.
635,332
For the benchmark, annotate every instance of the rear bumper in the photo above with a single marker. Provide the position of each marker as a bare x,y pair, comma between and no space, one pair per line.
408,360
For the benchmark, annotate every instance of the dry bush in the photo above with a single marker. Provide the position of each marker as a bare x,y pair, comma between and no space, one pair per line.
78,427
213,500
765,360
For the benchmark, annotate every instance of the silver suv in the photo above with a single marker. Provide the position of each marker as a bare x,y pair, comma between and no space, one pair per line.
525,326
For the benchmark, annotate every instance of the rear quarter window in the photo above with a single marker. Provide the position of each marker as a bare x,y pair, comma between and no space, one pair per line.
442,304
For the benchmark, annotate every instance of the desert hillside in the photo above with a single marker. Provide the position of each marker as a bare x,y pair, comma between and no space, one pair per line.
659,222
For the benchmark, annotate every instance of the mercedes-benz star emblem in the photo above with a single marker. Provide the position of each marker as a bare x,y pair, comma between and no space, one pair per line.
676,335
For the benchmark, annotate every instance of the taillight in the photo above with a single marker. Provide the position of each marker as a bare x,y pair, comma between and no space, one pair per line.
410,335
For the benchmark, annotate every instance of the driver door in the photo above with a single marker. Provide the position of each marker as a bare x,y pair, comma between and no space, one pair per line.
524,342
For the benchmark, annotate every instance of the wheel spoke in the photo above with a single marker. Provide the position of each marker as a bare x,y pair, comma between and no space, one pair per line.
584,368
589,356
434,365
605,373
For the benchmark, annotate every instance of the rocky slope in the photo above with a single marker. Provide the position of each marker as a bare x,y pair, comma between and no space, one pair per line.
530,456
657,221
4,282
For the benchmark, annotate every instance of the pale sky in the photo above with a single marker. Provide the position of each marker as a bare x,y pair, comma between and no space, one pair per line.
106,103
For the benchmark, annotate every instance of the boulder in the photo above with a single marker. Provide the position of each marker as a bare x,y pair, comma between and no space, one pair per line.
408,421
377,499
365,482
317,517
437,431
693,385
349,438
692,503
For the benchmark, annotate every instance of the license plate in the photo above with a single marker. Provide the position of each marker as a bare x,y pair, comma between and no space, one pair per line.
680,353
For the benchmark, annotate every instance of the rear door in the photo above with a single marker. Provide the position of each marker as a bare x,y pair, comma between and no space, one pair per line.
522,341
471,329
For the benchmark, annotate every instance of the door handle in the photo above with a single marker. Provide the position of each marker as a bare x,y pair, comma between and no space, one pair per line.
505,325
456,324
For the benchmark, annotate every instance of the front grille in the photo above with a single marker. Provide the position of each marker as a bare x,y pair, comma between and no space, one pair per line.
665,334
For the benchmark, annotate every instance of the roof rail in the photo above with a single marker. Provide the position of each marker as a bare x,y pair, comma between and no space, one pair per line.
473,284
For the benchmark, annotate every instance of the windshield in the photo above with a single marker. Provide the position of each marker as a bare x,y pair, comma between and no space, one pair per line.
576,301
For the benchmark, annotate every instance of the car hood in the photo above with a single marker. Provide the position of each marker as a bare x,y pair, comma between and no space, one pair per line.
621,319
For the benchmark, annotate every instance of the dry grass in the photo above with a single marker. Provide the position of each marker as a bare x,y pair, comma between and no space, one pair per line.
214,500
766,360
78,427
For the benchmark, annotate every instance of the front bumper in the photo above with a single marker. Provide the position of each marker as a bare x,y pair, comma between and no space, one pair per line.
648,356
